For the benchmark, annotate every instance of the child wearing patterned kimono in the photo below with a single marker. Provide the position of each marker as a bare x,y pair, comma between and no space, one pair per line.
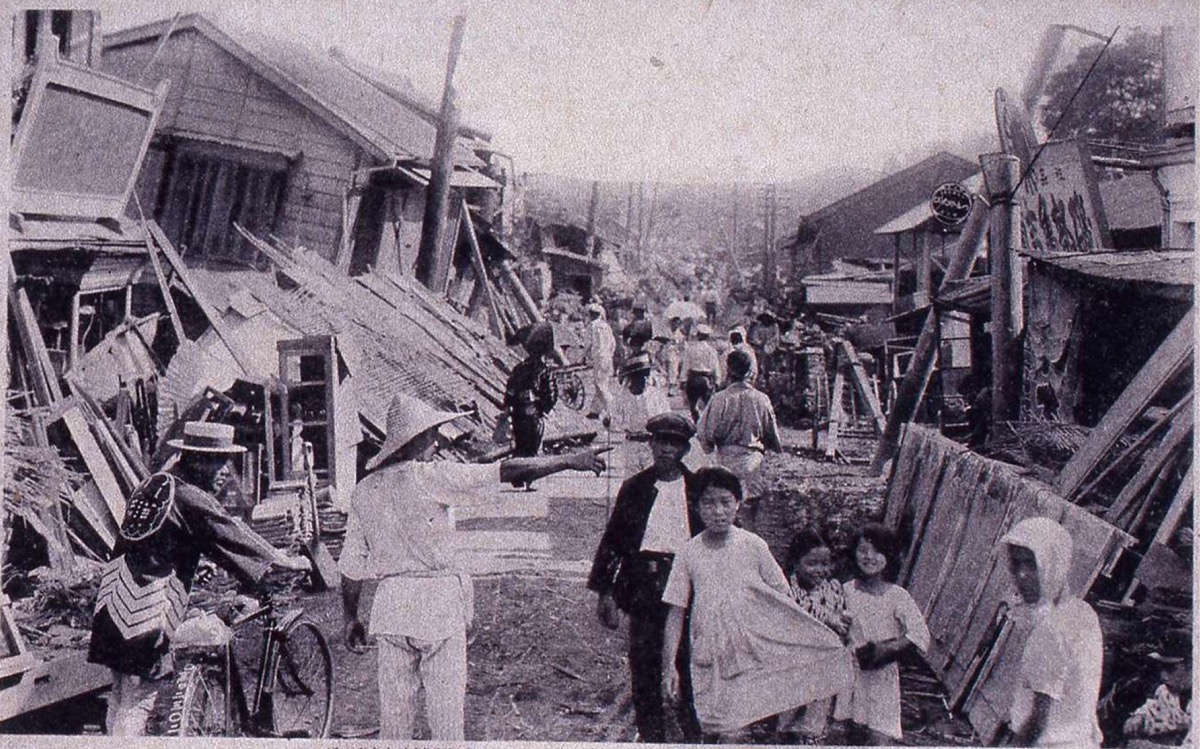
820,595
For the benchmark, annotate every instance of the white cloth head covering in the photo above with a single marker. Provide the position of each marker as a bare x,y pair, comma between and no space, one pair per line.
1052,548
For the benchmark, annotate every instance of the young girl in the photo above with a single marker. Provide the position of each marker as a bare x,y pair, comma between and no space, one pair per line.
754,653
820,595
885,623
1058,685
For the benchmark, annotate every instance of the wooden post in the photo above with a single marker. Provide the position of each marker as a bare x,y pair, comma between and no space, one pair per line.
1001,173
908,394
593,205
523,298
481,280
925,279
895,273
432,258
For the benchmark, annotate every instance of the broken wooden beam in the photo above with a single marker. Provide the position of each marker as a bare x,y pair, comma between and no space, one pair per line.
908,394
44,379
1171,358
866,391
210,312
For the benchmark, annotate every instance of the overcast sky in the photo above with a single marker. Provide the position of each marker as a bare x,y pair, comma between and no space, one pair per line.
698,90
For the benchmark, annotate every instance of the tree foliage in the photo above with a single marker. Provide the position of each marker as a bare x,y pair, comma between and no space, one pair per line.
1121,101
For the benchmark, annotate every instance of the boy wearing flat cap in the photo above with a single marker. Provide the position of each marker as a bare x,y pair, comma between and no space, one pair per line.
653,517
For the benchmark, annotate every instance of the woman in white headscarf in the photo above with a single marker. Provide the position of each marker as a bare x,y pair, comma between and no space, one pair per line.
1054,699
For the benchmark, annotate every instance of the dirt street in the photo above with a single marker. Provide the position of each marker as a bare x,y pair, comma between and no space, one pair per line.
542,668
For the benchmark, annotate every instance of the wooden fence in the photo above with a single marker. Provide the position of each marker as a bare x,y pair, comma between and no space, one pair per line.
955,505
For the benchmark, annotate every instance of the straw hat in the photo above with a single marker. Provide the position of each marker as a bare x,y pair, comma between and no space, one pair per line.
207,437
595,309
407,419
703,330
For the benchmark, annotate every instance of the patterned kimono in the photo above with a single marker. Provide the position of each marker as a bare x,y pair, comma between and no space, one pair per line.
144,589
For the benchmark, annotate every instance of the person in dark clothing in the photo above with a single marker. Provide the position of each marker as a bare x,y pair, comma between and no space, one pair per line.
170,521
654,515
639,331
531,391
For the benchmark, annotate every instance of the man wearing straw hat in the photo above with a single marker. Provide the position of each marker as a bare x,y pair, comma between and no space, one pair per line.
170,520
400,532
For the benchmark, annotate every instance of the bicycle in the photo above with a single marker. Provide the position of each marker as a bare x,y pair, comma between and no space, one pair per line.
572,393
293,688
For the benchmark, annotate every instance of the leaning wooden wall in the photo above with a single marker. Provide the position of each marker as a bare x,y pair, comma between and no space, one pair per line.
214,95
956,505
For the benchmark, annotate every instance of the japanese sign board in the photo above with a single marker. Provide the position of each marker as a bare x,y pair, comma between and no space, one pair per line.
1059,199
1059,202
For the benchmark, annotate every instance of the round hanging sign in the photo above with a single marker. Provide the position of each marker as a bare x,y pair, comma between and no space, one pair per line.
951,204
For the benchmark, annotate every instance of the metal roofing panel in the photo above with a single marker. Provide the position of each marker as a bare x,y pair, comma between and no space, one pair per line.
1164,267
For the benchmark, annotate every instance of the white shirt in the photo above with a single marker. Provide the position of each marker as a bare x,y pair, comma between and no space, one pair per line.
401,530
1062,659
667,526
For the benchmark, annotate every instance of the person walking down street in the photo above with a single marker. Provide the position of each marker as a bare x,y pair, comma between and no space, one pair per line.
400,532
640,329
702,370
1058,686
738,342
653,517
639,398
601,347
531,392
739,423
171,519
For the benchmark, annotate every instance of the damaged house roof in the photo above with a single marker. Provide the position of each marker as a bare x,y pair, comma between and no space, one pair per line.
406,339
390,126
845,228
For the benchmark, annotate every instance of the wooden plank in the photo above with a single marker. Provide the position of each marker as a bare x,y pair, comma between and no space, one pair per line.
88,503
96,464
481,276
45,381
1135,447
1172,356
202,302
51,682
1177,509
836,413
1151,465
161,279
58,545
863,384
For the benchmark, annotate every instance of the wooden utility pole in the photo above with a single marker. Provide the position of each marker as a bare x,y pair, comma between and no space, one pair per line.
1001,172
433,260
768,257
593,205
908,394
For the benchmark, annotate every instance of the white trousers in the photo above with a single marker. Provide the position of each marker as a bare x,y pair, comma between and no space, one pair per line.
744,462
129,705
438,665
601,390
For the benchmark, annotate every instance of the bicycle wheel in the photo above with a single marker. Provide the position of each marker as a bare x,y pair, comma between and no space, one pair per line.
573,392
195,704
302,702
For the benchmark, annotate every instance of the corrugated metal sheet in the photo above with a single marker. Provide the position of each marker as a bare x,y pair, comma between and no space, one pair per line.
1165,267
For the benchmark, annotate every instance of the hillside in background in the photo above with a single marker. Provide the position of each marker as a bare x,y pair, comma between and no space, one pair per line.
696,230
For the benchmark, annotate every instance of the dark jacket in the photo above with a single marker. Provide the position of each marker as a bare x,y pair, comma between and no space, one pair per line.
144,589
531,391
622,539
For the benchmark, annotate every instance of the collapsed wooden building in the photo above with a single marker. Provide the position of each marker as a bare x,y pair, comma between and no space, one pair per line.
121,328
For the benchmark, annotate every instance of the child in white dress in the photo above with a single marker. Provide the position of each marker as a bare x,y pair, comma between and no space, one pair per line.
885,623
754,652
